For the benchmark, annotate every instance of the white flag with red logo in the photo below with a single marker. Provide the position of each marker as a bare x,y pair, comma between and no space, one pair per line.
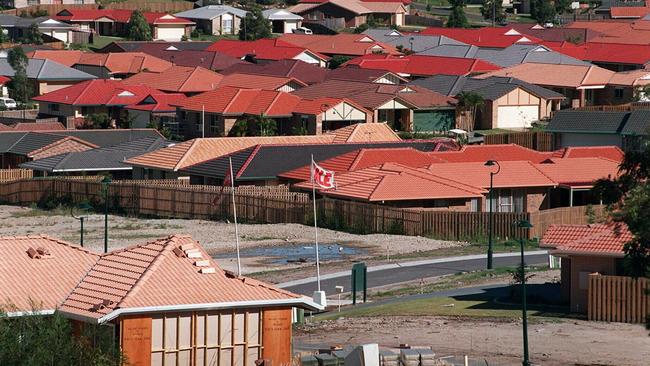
322,177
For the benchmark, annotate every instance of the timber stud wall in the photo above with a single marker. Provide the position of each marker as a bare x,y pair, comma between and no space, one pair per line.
277,204
618,299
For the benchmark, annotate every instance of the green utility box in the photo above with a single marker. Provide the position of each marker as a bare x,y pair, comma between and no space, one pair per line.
359,281
325,359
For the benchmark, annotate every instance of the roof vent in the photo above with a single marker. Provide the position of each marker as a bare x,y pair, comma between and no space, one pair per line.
103,305
230,274
193,253
203,263
38,253
32,253
206,270
179,253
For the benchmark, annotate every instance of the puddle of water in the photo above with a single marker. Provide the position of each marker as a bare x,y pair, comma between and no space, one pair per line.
296,253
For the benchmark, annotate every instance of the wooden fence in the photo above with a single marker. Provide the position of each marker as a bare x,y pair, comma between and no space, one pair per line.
540,141
276,204
8,175
618,299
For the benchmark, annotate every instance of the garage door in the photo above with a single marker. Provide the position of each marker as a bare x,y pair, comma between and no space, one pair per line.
170,34
517,116
429,121
60,35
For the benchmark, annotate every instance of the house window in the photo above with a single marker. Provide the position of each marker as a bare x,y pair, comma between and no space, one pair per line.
618,93
507,200
54,107
84,111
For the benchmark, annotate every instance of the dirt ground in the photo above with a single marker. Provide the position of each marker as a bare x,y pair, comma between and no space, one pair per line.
552,343
216,237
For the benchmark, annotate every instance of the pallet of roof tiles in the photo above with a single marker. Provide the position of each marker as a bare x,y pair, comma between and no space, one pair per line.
388,358
309,361
326,359
341,355
427,357
409,357
365,355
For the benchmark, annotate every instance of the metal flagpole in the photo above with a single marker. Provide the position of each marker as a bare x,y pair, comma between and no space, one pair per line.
203,121
234,212
313,190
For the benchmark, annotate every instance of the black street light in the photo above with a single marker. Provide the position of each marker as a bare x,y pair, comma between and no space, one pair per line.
523,224
490,252
105,182
83,207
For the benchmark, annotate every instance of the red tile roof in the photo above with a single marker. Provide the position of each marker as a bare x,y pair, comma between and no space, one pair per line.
159,103
607,152
418,65
250,81
297,69
46,281
594,239
499,37
340,44
125,62
617,31
483,153
628,11
395,182
38,126
152,275
513,174
605,52
63,57
117,15
98,92
235,101
579,172
178,79
262,49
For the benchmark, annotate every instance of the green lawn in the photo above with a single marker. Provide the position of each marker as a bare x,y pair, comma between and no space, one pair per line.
103,41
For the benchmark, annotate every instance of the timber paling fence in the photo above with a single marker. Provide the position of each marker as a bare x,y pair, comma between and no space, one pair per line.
536,140
277,204
618,299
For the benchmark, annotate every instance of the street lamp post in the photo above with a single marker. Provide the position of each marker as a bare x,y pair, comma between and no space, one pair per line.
84,207
523,224
105,182
490,252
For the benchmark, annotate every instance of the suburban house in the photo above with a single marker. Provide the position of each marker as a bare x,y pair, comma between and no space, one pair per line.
51,29
414,42
342,44
508,102
416,66
91,97
241,319
627,130
112,22
339,14
612,56
95,161
178,79
119,65
167,162
491,37
156,109
215,19
366,75
261,165
265,50
215,113
295,69
46,76
584,250
404,108
265,82
282,21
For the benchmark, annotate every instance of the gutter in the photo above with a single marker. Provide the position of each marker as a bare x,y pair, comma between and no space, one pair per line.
88,170
15,314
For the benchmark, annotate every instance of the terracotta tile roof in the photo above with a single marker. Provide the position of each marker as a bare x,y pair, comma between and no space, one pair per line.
159,103
117,15
340,44
628,12
607,152
262,49
250,81
152,275
631,78
483,153
513,174
499,37
605,52
569,76
363,132
594,239
46,281
579,172
236,101
39,126
617,31
63,57
199,150
98,92
178,79
419,65
125,62
297,69
396,182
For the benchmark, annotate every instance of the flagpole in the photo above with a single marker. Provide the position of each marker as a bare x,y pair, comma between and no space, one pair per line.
313,190
234,212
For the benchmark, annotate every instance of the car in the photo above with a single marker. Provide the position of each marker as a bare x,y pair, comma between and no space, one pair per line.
7,103
302,30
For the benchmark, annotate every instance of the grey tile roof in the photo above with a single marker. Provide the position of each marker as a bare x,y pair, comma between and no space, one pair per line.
267,161
210,12
452,50
45,70
638,123
420,42
102,159
491,88
588,122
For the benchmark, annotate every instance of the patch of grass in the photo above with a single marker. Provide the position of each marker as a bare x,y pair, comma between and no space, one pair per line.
37,212
493,131
166,226
128,226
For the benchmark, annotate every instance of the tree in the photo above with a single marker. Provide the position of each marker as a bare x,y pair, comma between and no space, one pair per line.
239,129
457,18
470,101
543,11
138,27
19,86
4,35
49,340
33,35
337,61
254,26
265,126
499,13
98,121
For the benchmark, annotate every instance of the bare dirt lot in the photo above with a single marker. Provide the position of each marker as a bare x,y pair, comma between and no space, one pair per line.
552,342
217,237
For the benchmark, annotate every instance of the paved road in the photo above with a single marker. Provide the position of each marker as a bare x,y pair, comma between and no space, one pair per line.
410,271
